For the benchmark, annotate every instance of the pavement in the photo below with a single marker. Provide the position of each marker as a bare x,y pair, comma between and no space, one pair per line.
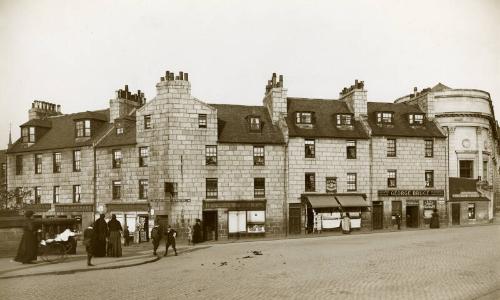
133,255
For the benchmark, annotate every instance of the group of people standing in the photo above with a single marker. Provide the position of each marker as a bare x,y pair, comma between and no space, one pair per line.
158,232
104,238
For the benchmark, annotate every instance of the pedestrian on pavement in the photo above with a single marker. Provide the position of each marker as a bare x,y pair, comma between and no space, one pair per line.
126,236
434,219
346,224
101,232
398,221
197,235
189,234
27,250
155,237
115,237
89,241
170,235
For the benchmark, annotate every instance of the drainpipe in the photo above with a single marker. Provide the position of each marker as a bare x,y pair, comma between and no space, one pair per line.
94,208
370,149
447,174
285,187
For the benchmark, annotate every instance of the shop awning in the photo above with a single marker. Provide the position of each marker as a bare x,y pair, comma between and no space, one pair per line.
352,201
322,201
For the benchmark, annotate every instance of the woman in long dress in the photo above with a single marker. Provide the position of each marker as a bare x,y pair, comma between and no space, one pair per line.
27,251
115,237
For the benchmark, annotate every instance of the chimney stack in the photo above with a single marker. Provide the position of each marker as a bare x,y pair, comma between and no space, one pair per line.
41,110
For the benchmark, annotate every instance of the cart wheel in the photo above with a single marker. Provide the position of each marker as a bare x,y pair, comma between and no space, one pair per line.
53,252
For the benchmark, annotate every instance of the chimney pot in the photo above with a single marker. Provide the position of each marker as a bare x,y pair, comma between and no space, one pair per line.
415,89
176,77
281,80
126,88
181,75
186,77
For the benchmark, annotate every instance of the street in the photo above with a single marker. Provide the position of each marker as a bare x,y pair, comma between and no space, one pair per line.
451,263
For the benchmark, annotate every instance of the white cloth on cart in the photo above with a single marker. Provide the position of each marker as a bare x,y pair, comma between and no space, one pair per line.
61,237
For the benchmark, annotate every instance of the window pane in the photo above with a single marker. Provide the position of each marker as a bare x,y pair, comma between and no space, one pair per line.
391,147
211,155
351,149
310,182
258,155
309,148
202,121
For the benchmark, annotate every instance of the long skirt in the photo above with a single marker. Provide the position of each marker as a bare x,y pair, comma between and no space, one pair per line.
99,247
28,247
115,244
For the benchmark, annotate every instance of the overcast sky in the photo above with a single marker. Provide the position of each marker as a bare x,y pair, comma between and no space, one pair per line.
77,53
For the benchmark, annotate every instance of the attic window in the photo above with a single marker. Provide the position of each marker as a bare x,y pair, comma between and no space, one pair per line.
119,130
83,128
28,134
416,119
303,118
385,117
344,119
255,124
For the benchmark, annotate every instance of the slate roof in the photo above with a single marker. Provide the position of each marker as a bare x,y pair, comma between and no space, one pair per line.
400,126
233,125
325,123
38,123
440,87
127,138
62,133
465,185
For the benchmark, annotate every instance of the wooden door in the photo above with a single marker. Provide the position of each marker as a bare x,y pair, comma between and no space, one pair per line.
294,218
378,215
455,213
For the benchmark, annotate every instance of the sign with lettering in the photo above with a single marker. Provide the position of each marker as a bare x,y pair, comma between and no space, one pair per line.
412,202
38,207
236,205
466,195
74,207
429,204
127,207
410,193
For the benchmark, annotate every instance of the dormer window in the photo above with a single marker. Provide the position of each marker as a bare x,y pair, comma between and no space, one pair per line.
416,119
83,128
344,119
28,134
119,130
385,117
255,124
303,118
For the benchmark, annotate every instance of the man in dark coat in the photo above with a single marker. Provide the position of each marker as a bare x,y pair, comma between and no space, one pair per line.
28,247
101,234
170,235
89,241
197,235
434,219
155,237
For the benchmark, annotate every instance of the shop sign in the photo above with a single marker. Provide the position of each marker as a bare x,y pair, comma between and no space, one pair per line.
466,195
38,207
127,206
74,207
410,193
241,205
429,204
412,203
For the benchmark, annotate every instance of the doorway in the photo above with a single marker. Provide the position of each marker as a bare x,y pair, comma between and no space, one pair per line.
378,215
455,214
210,232
294,218
412,216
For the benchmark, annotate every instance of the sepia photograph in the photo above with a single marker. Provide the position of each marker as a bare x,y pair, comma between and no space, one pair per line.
281,149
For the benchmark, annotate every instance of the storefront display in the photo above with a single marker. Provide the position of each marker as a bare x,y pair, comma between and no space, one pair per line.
246,221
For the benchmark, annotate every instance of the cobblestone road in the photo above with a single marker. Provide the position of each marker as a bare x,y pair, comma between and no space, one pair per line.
454,263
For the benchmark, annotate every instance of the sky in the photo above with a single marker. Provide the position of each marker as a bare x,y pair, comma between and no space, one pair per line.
77,53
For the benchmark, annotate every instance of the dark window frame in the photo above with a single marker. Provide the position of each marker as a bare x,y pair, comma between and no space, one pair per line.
352,185
202,121
56,162
28,134
392,150
385,117
255,126
412,120
259,156
77,160
143,189
211,155
19,165
259,187
143,156
116,189
77,193
117,160
38,194
462,167
429,148
429,180
310,182
147,122
211,188
300,117
38,163
392,178
310,148
55,194
83,128
351,144
471,213
344,119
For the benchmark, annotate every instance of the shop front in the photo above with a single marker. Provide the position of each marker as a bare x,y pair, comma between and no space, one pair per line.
467,204
234,219
414,207
82,213
135,216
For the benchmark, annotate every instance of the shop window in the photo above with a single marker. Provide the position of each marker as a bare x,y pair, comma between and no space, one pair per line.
351,149
147,122
117,158
429,206
143,156
344,119
77,191
202,121
429,148
55,197
19,164
303,118
391,178
38,164
82,128
429,178
237,221
56,162
310,148
77,157
255,124
331,184
471,211
466,168
351,182
258,156
246,221
416,119
259,187
117,189
211,188
384,117
143,188
38,194
391,147
310,182
170,190
256,220
211,155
